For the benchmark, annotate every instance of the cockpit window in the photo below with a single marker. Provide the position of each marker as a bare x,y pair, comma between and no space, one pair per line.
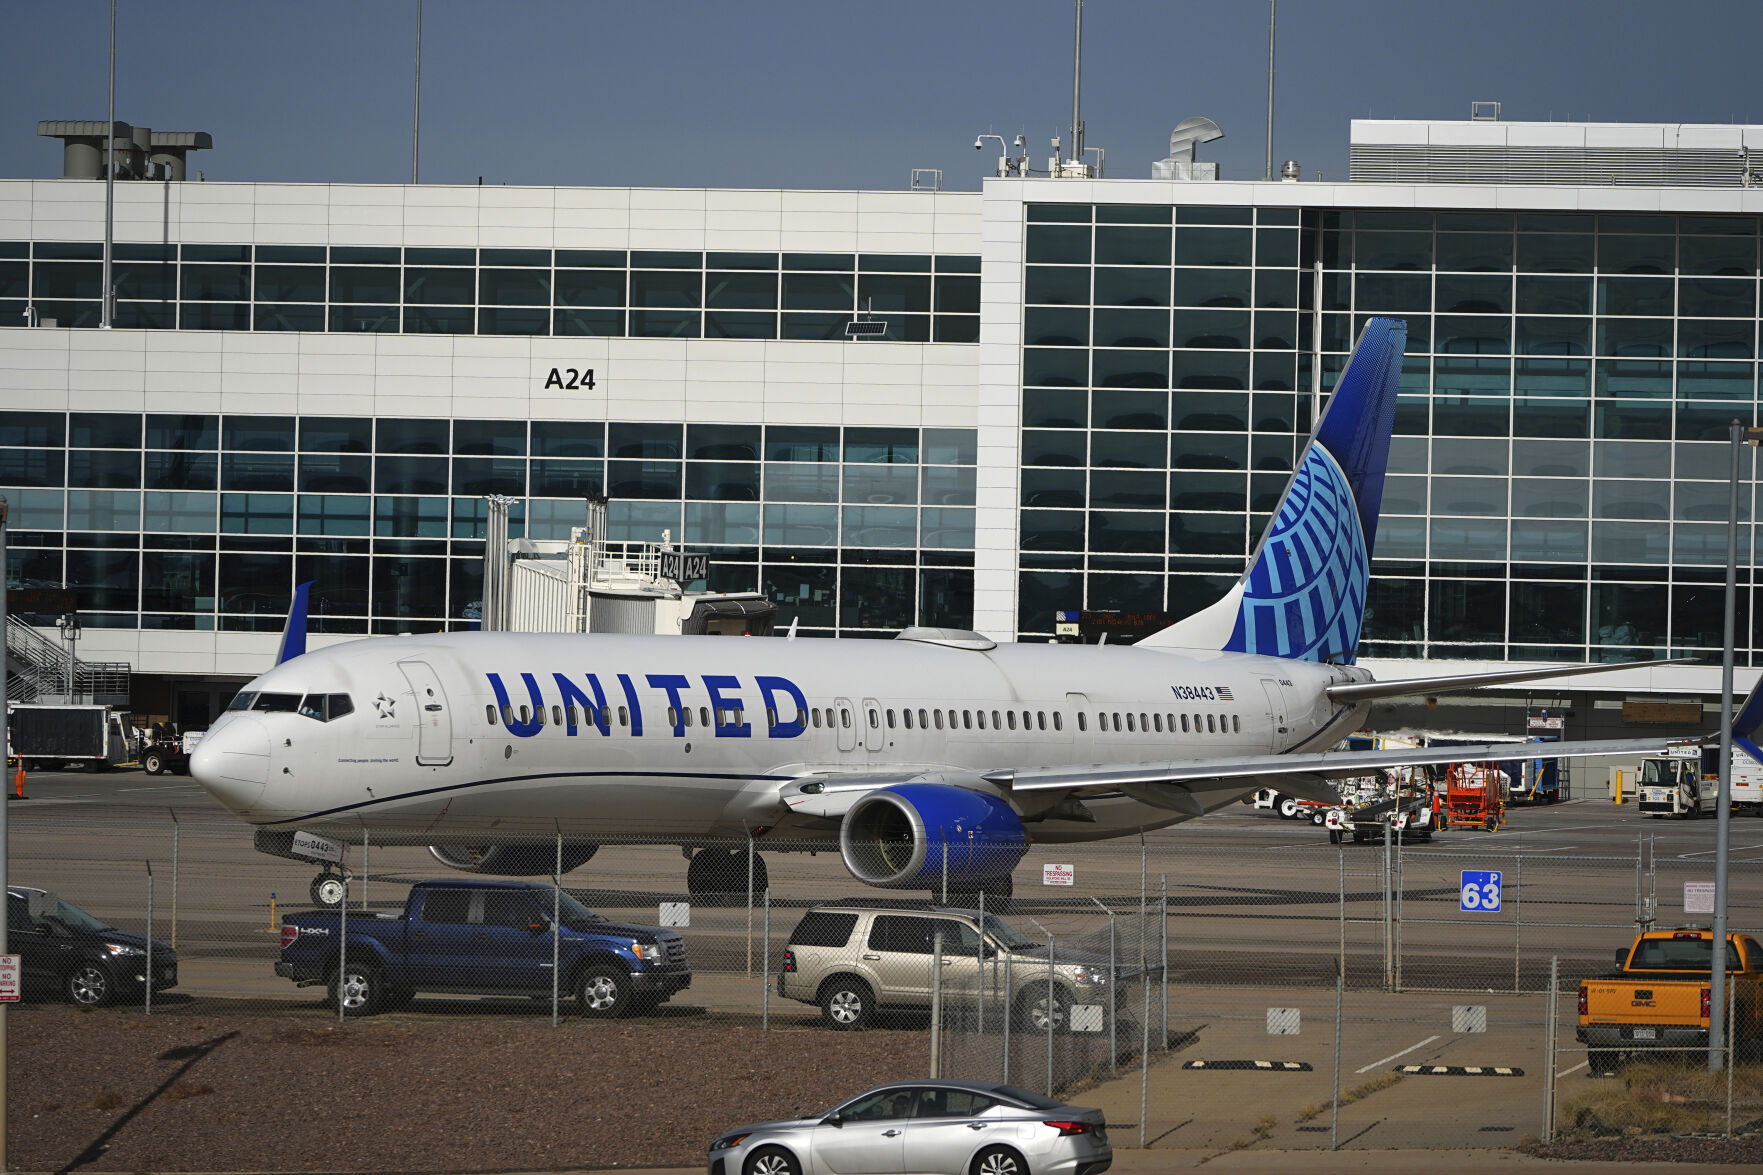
326,707
242,700
277,703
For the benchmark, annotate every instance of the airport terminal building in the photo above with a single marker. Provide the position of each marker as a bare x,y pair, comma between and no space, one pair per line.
1058,395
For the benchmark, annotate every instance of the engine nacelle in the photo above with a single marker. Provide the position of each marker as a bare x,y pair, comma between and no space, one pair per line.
895,837
512,860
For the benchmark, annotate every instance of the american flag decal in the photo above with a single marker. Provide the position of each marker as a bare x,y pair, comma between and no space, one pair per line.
1224,694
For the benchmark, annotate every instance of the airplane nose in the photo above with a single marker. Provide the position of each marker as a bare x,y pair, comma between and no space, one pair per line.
232,763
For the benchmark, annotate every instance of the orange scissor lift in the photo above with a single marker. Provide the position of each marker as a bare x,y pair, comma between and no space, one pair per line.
1472,795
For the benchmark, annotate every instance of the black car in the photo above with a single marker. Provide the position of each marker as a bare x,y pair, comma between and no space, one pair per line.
65,950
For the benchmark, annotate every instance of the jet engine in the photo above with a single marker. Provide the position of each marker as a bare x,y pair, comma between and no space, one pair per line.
899,837
512,860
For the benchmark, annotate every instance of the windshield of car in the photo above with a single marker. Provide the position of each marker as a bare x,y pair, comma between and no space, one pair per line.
1007,935
572,912
74,918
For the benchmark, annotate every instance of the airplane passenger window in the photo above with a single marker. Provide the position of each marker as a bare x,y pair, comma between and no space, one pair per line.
1157,722
1210,729
539,715
939,717
924,719
704,716
953,714
890,718
1028,721
967,719
569,713
490,714
1144,721
672,716
1236,724
623,717
874,720
1129,724
982,719
996,725
1059,722
802,719
906,718
508,715
1082,722
771,717
845,719
1117,722
1011,715
816,713
557,716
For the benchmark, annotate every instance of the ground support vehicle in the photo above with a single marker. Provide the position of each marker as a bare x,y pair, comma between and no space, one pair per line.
958,1127
1687,784
48,737
1413,817
855,958
64,950
1659,996
484,938
168,750
1473,796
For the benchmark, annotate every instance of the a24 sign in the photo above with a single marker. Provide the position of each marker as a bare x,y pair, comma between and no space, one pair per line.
1480,892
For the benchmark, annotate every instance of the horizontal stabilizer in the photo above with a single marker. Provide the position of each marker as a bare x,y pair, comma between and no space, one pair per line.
1366,691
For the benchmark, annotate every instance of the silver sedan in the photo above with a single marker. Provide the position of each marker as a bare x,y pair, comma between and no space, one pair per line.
925,1128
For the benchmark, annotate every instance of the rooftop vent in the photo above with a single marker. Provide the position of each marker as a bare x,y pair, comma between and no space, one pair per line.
1181,165
140,153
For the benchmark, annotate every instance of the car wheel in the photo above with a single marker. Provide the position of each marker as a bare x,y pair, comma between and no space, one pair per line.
846,1004
327,890
1288,808
998,1160
152,763
90,985
1031,1008
357,987
771,1160
603,992
1317,816
1601,1061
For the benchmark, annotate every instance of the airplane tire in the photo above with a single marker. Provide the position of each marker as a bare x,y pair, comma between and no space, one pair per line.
327,890
1288,808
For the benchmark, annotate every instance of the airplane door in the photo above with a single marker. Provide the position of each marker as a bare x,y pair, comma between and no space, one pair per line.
434,744
1277,725
847,720
871,717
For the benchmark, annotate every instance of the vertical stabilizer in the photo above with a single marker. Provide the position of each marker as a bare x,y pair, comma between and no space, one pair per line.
1303,595
294,632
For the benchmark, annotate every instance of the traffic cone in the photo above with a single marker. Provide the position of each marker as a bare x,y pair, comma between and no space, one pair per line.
18,783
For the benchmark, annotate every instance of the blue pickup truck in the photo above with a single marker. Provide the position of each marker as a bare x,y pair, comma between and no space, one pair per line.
484,938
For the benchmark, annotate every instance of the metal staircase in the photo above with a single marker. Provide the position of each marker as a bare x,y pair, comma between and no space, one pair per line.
37,670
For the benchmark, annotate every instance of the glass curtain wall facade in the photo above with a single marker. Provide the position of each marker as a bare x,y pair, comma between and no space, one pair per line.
203,522
596,292
1557,485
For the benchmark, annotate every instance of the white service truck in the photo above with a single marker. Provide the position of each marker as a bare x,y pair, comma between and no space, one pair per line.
1687,782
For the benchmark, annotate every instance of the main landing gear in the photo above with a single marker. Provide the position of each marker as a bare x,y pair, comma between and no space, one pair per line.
720,872
328,889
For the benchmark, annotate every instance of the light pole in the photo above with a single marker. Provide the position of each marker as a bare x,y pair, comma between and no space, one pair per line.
69,624
1740,437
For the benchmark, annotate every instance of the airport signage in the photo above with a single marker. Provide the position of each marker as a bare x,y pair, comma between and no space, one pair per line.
683,568
1058,875
571,379
11,972
1545,722
1480,891
318,848
1698,897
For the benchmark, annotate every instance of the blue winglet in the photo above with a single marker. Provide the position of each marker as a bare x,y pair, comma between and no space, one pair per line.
294,634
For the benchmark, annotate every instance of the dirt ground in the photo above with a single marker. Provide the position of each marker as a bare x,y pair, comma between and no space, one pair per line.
117,1091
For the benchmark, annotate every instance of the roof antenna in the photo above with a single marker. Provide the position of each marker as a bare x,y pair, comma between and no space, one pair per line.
791,634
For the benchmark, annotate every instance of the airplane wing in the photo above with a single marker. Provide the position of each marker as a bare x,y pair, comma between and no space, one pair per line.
831,795
1173,784
1364,691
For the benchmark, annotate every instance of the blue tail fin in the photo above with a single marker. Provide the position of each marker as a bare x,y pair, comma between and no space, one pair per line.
1303,596
294,634
1747,721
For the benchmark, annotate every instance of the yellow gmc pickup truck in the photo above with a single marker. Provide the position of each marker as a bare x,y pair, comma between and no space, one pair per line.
1659,999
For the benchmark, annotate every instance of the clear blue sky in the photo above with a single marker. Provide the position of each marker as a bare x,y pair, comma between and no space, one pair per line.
834,94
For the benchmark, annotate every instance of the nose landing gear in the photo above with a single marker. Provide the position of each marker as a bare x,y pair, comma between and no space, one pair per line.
328,889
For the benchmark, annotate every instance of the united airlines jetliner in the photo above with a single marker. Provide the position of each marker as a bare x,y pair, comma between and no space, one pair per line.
935,758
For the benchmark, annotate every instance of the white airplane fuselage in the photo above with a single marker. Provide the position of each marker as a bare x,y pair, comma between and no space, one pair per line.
681,738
